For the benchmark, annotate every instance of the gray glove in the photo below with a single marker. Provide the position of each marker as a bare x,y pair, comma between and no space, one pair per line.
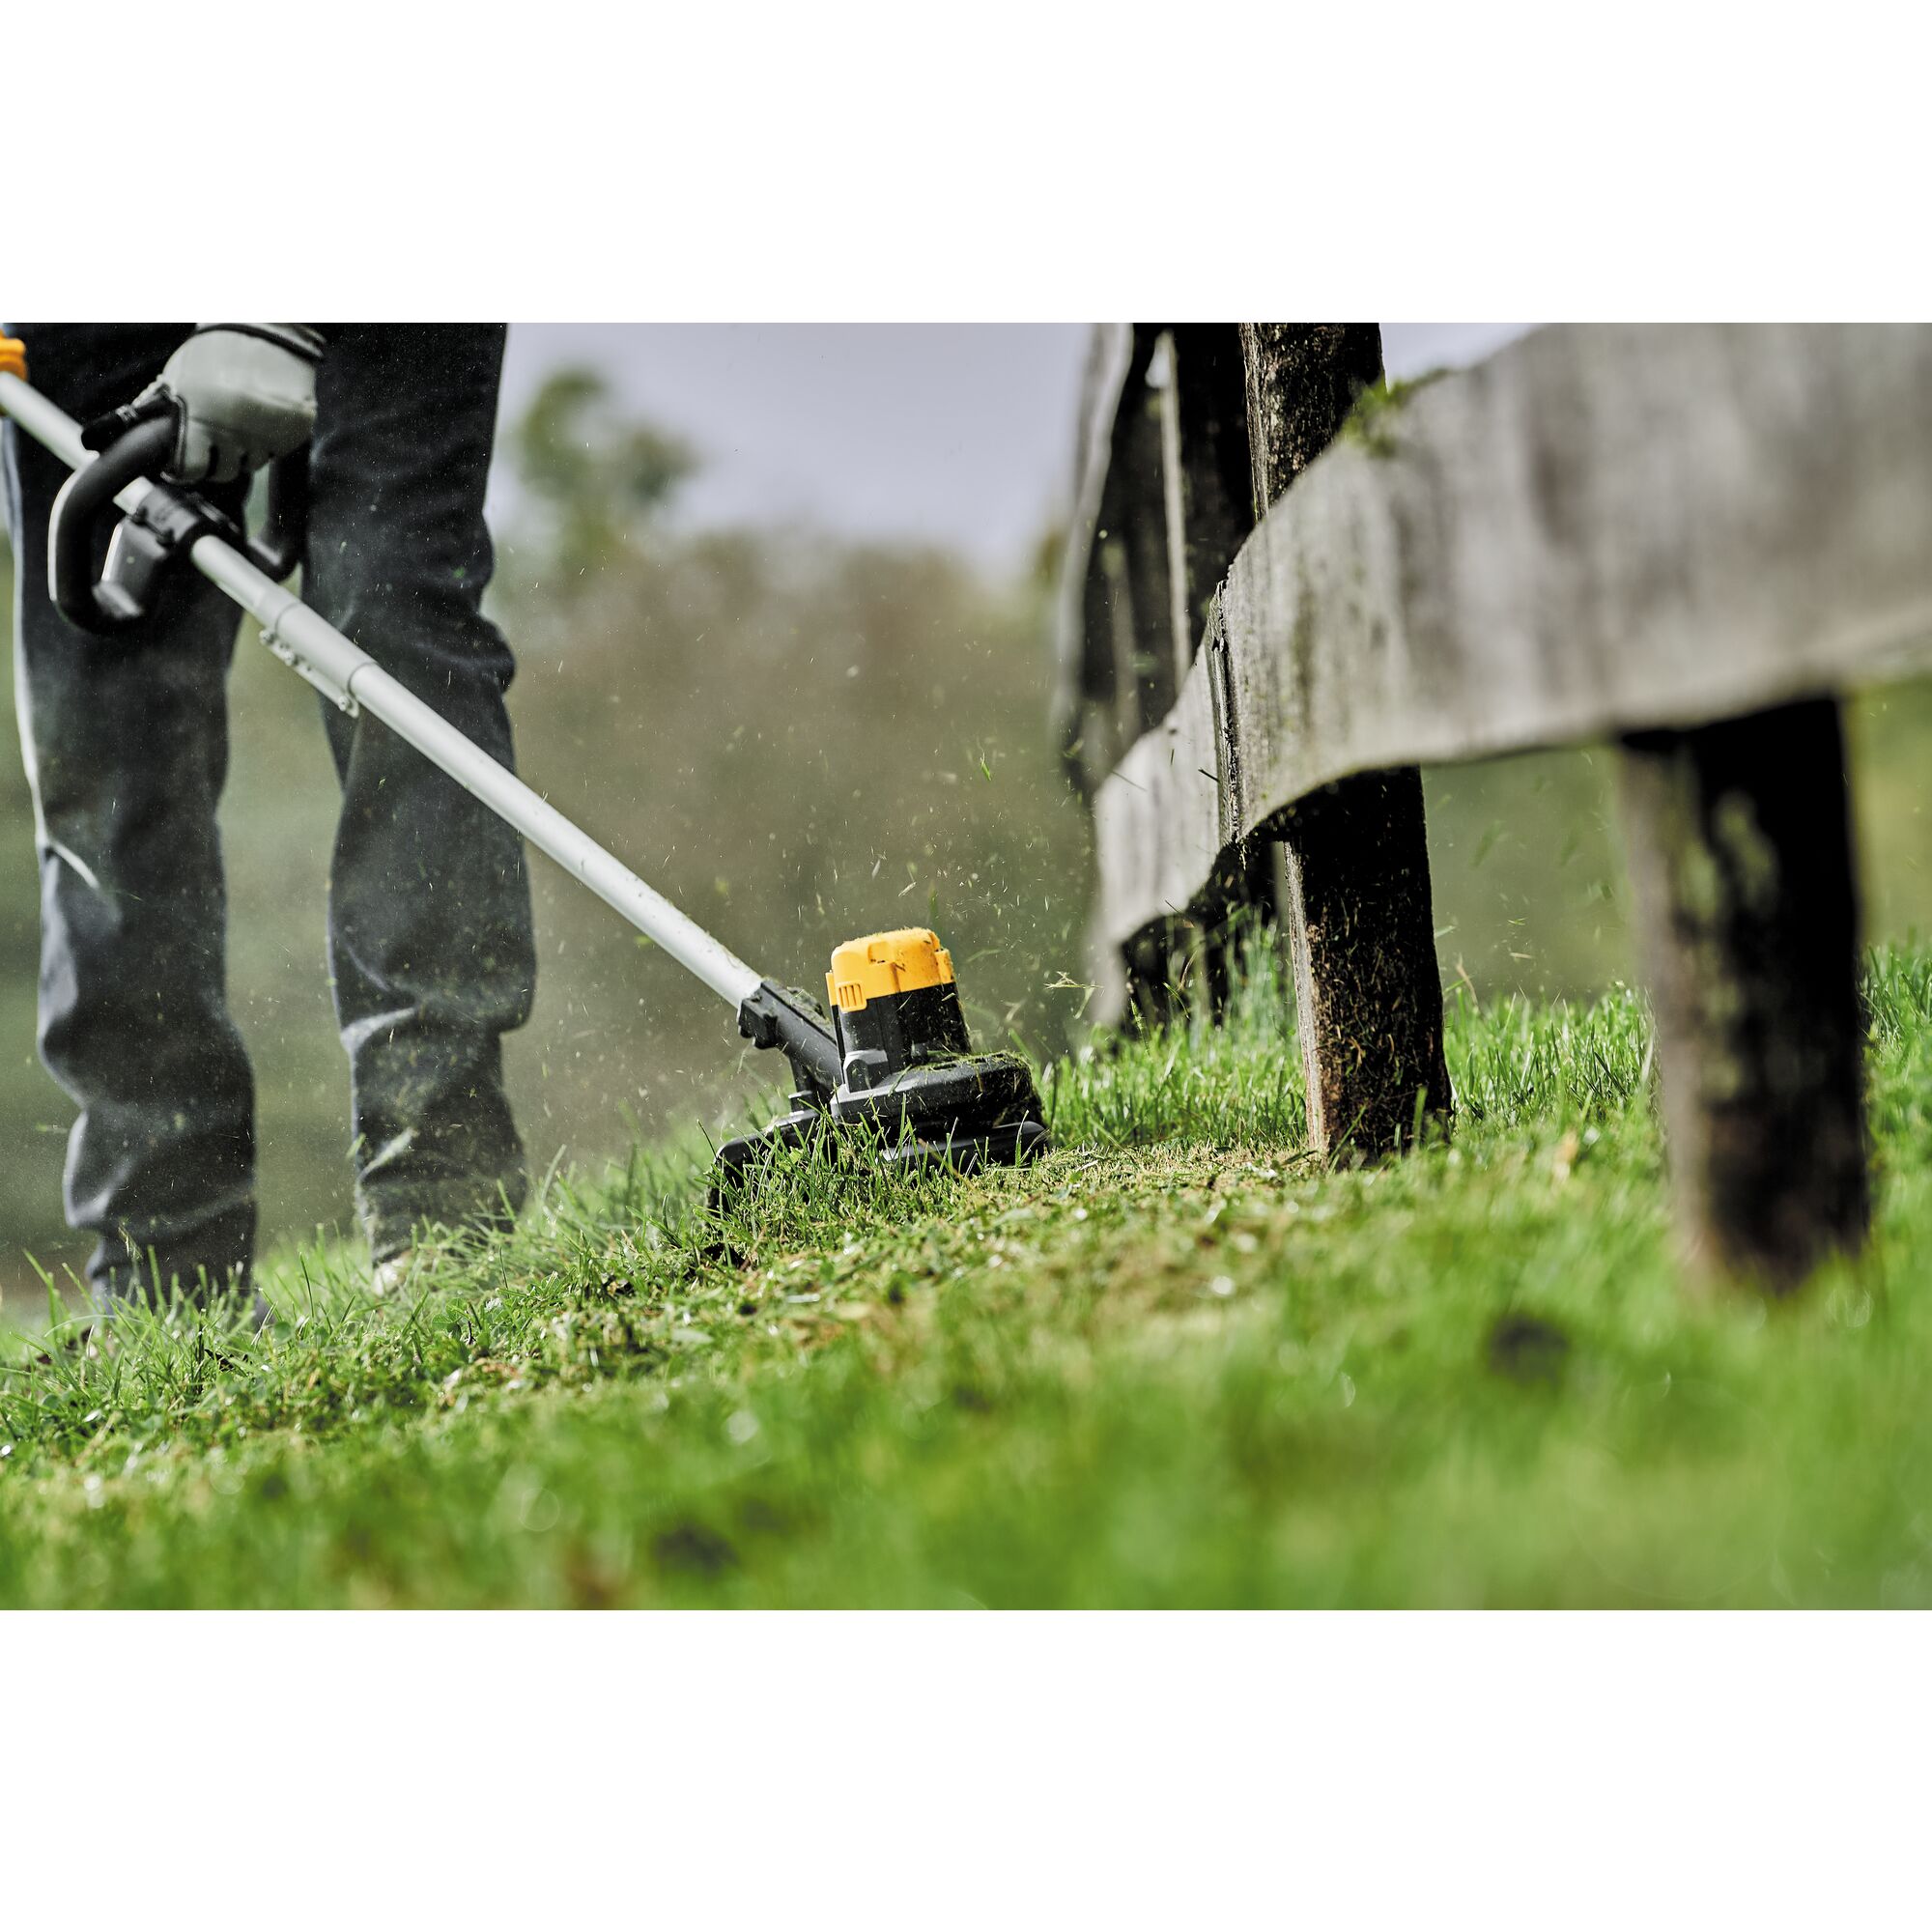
241,393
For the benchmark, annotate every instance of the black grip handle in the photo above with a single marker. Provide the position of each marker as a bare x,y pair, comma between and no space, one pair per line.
152,542
86,498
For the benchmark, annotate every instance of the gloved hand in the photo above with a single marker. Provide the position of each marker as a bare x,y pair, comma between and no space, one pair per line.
241,393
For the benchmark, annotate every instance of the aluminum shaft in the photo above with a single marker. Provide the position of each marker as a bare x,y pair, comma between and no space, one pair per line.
349,676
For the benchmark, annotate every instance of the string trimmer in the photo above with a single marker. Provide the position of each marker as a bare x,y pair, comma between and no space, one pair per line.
890,1073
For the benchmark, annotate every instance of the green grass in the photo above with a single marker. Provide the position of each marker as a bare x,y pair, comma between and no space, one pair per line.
1178,1363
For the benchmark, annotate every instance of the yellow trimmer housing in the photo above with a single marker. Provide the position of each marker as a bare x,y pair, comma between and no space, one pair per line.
884,964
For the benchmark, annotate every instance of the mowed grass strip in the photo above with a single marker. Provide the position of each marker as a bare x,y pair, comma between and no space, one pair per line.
1178,1363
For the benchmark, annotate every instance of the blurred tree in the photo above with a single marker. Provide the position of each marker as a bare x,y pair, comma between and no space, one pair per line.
595,479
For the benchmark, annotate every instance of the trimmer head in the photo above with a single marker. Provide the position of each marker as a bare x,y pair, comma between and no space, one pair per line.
893,1070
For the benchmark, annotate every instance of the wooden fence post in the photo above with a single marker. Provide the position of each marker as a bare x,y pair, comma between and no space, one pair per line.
1131,556
1740,857
1130,602
1355,856
1209,515
1209,469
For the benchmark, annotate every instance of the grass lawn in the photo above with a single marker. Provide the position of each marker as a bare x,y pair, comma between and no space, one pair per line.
1176,1363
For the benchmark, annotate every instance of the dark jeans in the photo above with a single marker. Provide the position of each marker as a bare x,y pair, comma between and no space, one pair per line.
430,942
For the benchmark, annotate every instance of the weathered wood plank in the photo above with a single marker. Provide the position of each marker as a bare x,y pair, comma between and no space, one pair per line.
1355,901
1183,631
1740,857
1599,531
1162,806
1116,672
1084,670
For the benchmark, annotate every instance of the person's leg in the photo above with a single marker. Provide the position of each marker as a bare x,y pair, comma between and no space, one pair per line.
126,742
431,945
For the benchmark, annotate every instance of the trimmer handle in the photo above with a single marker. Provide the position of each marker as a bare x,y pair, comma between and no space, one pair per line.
164,527
85,498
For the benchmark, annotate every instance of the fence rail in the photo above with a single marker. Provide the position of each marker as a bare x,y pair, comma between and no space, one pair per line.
1685,540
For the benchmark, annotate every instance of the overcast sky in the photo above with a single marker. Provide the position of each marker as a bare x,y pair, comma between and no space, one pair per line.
960,435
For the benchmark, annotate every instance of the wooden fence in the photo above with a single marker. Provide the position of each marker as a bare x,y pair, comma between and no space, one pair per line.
1688,541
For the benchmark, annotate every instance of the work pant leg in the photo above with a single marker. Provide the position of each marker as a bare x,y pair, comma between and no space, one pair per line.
126,742
430,938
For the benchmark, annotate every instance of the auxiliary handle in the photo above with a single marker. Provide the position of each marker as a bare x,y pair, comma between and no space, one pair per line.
162,528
